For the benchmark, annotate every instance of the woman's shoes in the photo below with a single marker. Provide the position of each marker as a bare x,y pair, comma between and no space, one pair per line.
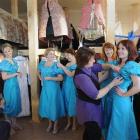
67,127
49,128
73,127
55,131
12,132
17,127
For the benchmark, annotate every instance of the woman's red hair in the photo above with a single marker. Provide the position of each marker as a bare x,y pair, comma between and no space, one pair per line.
110,46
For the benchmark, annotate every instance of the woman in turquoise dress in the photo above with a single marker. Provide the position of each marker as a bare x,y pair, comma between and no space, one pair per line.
122,124
68,88
51,103
108,56
12,100
134,90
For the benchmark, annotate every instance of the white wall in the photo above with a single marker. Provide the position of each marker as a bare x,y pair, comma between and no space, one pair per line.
128,16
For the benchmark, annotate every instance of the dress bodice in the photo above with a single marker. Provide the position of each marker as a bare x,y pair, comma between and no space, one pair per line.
50,71
130,68
9,66
70,68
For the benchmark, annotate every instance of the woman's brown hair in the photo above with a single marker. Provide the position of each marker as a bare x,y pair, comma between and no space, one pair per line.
71,51
110,46
131,48
83,56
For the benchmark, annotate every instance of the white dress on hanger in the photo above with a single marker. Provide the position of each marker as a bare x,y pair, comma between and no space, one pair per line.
23,84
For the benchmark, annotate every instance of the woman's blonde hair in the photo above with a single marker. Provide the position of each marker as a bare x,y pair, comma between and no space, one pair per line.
5,45
47,51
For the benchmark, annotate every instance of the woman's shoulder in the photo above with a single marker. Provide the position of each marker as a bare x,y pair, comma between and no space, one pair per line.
42,62
115,62
5,65
100,61
132,67
81,77
73,66
7,62
131,64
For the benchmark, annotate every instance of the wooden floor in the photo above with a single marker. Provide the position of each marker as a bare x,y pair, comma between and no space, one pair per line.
36,131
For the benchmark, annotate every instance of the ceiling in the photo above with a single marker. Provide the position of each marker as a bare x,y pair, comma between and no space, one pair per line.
71,4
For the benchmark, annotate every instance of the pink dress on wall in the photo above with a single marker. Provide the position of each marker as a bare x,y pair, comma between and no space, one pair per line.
58,19
86,14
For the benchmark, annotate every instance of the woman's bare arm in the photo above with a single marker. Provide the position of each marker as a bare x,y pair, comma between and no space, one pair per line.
133,90
6,76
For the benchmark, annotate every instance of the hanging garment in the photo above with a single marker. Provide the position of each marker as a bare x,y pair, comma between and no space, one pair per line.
67,15
23,84
12,29
97,42
57,16
49,27
75,40
86,14
92,23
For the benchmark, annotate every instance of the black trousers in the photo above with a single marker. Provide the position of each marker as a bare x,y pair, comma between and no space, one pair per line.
4,130
136,105
92,131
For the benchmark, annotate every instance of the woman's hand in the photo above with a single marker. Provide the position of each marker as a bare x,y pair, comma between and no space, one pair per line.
119,91
19,74
116,81
115,68
48,78
40,78
60,65
1,103
133,90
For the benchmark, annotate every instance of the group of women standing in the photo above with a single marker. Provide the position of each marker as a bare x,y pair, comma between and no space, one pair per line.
118,116
56,102
80,93
118,110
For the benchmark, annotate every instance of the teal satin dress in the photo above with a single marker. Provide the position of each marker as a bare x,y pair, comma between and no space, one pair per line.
107,99
122,124
69,93
51,104
12,106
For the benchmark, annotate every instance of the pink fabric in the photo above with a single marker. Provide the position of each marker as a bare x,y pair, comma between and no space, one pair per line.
99,13
85,18
86,11
58,19
70,33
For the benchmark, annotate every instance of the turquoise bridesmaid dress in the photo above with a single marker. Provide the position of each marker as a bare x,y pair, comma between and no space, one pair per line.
107,99
69,93
51,104
122,124
11,90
